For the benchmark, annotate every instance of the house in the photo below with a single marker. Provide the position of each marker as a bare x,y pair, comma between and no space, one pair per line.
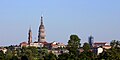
4,50
98,44
104,45
23,44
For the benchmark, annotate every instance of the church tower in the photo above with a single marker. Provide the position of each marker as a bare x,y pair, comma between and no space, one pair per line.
41,32
30,36
91,41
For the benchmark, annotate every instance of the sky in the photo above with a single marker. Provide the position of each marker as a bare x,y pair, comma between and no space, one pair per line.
62,18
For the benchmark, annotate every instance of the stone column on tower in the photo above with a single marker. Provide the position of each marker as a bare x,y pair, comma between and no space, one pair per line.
41,32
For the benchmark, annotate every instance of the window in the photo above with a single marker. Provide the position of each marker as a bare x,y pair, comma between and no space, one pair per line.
42,31
42,37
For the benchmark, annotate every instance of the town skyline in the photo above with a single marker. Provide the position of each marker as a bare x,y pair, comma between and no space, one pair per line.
61,19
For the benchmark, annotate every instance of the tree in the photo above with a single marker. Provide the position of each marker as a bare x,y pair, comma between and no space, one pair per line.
87,55
63,56
24,58
50,56
14,58
86,47
115,43
33,53
8,54
66,56
83,56
73,44
1,55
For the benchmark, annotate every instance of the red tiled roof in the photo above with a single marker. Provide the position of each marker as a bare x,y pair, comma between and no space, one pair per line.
100,42
23,43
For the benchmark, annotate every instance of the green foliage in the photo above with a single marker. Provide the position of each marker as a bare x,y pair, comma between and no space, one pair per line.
86,47
115,44
50,56
87,55
24,58
14,58
64,56
33,53
30,52
73,44
2,55
8,54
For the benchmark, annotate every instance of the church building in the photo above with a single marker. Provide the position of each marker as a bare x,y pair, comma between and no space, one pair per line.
41,37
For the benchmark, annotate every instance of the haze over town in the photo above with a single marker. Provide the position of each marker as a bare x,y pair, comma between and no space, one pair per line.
61,19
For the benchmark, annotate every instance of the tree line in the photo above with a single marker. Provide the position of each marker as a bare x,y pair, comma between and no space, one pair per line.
73,46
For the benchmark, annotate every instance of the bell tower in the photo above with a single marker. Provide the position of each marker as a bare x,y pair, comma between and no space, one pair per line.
30,36
41,32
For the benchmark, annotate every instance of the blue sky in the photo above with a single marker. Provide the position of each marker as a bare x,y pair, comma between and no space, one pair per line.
100,18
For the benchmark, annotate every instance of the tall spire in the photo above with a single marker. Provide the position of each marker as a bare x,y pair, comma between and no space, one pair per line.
30,29
41,20
41,32
30,36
